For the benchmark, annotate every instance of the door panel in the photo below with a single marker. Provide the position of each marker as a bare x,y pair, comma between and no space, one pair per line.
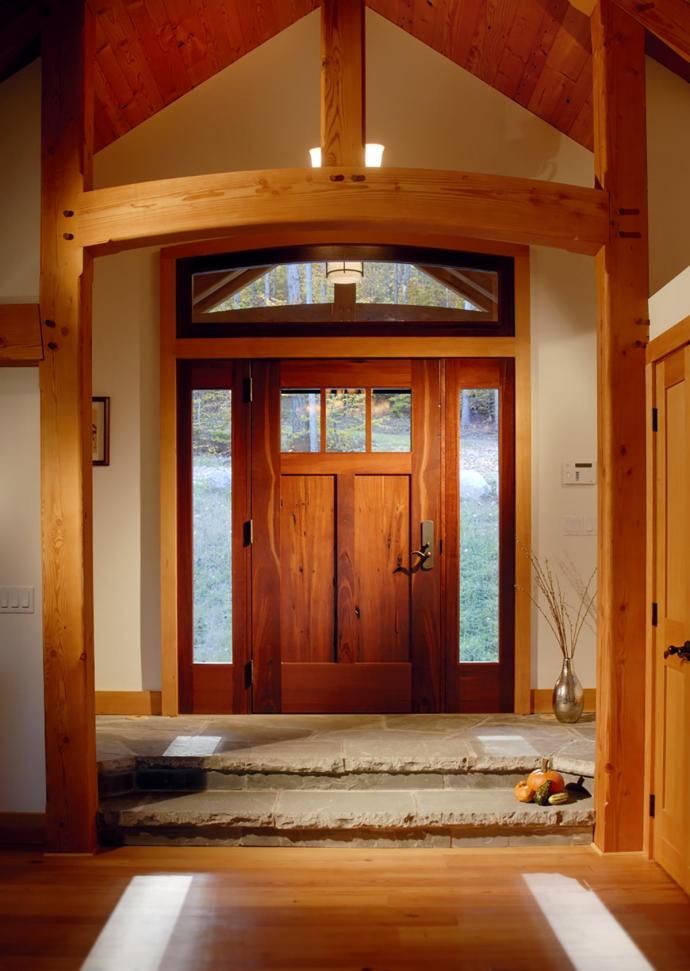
381,567
307,536
671,718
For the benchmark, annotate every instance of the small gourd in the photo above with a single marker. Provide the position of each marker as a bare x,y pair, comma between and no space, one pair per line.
558,798
523,791
542,794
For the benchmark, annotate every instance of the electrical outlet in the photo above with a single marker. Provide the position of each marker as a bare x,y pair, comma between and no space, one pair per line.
16,600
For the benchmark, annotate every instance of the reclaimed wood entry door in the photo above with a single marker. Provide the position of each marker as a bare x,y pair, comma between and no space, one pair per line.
346,492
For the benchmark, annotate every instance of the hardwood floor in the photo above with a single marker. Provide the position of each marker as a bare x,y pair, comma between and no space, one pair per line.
145,909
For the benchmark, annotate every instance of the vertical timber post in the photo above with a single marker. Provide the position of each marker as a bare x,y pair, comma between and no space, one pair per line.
65,382
342,82
618,45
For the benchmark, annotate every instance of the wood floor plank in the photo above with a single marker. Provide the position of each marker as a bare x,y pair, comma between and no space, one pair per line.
181,908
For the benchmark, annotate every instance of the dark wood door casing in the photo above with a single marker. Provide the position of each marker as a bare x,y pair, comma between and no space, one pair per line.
214,688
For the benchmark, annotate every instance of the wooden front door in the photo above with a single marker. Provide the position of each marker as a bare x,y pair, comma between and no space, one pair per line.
671,645
346,492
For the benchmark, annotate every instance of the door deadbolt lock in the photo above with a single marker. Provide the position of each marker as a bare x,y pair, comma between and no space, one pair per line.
682,652
426,550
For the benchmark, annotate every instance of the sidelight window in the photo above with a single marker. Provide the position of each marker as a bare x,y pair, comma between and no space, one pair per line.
479,525
212,525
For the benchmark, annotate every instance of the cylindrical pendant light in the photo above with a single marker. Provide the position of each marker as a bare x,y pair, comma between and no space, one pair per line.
344,271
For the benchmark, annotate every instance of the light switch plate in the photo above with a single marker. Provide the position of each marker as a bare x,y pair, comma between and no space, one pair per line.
578,473
16,600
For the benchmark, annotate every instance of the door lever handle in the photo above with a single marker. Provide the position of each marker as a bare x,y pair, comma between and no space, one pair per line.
426,550
682,652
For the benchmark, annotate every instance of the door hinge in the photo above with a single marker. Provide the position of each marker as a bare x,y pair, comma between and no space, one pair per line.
249,673
248,529
652,804
655,614
249,390
655,419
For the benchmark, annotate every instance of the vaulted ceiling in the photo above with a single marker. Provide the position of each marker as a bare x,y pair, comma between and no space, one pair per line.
150,52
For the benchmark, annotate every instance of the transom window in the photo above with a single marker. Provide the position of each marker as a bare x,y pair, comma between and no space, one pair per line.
348,289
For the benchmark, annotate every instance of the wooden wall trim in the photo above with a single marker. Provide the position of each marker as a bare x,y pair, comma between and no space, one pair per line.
541,700
20,334
66,473
22,830
128,703
669,341
623,288
526,211
173,350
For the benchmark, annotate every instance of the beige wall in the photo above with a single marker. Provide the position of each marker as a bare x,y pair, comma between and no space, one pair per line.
668,172
125,493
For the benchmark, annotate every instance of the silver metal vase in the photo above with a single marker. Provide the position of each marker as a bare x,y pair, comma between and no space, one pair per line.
568,696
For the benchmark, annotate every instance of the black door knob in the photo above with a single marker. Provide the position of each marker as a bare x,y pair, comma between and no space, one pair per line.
682,652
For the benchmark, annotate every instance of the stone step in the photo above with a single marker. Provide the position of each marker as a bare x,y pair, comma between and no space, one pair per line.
237,772
319,817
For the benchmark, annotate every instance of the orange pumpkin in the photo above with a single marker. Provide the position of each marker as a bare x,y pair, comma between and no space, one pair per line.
523,792
545,774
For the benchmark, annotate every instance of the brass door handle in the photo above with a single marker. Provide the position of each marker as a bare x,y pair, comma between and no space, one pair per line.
682,652
426,550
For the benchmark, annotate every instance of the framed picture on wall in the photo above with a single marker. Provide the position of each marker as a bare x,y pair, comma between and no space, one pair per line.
100,431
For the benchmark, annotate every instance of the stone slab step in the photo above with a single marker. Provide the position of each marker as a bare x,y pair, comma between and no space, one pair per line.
236,771
431,817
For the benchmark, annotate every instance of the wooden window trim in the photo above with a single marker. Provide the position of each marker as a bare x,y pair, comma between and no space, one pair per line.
319,320
174,350
496,681
212,688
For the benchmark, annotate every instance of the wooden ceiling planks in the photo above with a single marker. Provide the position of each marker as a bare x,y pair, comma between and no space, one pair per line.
151,52
537,52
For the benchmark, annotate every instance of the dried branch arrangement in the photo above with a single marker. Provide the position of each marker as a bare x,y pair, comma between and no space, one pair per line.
565,620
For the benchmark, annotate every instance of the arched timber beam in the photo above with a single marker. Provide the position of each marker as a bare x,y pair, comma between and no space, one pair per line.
433,202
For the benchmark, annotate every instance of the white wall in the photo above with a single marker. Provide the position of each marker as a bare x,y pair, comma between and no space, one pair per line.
21,653
564,416
668,174
125,493
21,642
671,304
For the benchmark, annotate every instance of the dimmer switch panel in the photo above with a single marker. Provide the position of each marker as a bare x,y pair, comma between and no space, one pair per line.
579,473
16,600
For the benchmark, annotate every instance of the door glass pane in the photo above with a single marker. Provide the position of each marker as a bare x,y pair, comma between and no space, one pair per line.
479,524
212,525
346,410
390,420
300,421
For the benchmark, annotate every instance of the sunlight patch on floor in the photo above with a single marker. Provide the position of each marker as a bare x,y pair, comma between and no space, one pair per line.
193,745
139,930
587,931
507,745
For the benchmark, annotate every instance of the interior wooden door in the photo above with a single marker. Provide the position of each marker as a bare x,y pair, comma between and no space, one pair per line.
345,596
671,662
